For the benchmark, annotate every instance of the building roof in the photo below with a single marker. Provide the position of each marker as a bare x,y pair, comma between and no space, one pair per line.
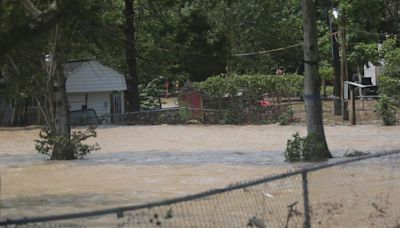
89,75
71,65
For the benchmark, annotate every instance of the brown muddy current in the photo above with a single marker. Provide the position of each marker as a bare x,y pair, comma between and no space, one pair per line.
138,164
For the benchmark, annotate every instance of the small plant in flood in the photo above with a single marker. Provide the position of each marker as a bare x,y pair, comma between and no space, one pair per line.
294,148
303,148
60,147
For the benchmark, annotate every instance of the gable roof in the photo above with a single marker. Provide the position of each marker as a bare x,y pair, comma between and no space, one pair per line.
92,76
71,65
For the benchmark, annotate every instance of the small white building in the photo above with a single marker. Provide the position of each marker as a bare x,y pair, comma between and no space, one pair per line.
91,85
372,72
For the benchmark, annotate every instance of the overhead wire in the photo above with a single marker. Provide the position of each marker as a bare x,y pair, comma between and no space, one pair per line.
252,53
281,48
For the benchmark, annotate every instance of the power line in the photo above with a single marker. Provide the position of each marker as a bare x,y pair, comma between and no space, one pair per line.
246,53
278,49
268,51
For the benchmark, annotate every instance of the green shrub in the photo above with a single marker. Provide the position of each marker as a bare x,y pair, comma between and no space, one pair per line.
185,114
390,87
59,147
251,88
234,114
328,89
286,117
386,110
294,148
389,100
304,148
239,96
150,92
391,54
327,72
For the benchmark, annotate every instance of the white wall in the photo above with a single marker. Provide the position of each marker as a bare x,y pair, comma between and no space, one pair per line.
76,100
122,102
373,72
100,102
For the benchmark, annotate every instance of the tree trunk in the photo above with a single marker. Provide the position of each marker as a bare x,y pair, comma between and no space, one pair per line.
133,99
62,126
312,84
15,113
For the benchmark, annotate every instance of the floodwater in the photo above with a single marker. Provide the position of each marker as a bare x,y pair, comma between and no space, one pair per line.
138,164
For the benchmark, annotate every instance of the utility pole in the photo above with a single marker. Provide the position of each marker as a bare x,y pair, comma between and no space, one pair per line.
343,72
336,65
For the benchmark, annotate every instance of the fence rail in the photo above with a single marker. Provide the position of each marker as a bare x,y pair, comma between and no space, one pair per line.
360,191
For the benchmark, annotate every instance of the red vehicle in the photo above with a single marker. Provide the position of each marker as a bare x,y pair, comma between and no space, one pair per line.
264,103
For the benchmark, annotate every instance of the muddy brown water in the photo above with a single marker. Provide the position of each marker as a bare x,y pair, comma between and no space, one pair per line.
140,164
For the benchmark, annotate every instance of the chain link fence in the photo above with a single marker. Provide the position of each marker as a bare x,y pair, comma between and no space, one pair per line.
352,192
365,113
232,113
183,115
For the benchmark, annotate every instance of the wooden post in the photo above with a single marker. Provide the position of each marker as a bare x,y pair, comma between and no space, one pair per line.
306,201
353,106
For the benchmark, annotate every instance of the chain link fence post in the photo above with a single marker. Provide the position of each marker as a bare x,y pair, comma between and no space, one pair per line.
306,202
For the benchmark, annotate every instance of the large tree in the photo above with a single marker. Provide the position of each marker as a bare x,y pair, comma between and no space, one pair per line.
312,85
72,34
133,99
37,22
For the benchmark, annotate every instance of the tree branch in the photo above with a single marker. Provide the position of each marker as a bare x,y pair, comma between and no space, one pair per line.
31,7
10,59
43,111
51,76
24,32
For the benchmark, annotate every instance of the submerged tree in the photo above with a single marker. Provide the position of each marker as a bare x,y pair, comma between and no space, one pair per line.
45,45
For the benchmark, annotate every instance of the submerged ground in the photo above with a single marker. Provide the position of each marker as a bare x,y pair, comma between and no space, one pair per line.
147,163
